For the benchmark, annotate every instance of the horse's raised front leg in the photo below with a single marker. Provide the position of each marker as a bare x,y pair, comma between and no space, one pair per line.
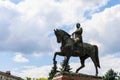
54,60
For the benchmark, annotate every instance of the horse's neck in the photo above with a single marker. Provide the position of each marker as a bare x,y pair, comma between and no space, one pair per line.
67,40
65,33
64,38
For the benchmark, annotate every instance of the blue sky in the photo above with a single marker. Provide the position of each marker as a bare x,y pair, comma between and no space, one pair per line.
16,1
27,41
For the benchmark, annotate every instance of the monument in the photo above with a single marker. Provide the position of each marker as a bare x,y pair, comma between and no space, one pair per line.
75,47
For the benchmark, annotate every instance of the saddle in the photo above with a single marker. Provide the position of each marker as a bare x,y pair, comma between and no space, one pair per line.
78,46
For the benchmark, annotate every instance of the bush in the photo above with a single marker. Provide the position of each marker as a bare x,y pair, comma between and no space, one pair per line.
110,75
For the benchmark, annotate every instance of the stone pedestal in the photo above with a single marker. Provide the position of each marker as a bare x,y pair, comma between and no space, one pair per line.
74,76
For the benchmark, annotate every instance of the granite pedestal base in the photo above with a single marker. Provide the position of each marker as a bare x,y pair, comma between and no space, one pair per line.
74,76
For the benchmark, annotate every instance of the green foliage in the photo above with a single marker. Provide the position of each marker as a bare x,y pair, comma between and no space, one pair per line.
28,78
41,79
51,74
110,75
119,76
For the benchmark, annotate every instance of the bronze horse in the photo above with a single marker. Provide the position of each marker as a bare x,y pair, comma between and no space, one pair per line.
68,49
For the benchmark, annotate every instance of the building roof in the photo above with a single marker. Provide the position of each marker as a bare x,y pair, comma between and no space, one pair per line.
8,74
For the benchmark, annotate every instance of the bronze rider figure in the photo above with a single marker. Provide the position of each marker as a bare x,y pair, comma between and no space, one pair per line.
77,35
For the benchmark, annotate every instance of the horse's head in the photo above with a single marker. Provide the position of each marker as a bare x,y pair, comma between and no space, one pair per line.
60,34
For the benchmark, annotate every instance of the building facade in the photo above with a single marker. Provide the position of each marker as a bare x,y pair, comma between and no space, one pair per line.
7,76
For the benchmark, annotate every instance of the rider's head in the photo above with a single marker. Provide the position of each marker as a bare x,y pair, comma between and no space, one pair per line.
78,25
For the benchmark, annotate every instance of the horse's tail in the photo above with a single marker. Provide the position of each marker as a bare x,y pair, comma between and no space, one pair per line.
96,56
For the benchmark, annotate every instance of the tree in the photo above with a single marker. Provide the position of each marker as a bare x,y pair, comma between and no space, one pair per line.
52,73
118,76
110,75
28,78
54,69
41,79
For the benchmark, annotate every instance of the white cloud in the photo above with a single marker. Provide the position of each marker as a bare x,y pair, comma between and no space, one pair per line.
104,29
59,11
107,62
35,72
19,58
25,27
38,54
30,22
110,62
7,3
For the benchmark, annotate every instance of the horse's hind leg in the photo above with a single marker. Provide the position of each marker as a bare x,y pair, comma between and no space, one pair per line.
82,64
95,64
65,63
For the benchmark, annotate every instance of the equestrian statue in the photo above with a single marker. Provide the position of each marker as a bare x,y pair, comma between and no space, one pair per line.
74,46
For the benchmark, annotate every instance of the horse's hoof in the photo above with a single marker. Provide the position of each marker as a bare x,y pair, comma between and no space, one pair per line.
76,71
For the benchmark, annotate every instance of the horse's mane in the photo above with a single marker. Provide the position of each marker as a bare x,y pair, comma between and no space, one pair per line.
64,32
